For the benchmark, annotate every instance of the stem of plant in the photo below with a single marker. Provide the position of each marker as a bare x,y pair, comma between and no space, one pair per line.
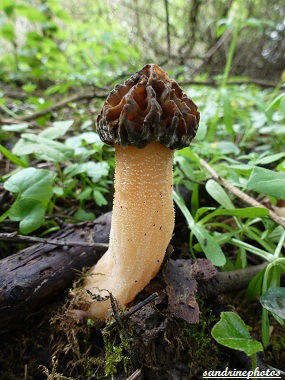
253,361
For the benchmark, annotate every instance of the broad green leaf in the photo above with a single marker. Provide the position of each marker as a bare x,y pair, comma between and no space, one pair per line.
218,193
34,188
29,212
84,215
95,170
274,300
232,332
227,147
267,182
99,198
45,149
85,194
59,129
31,183
89,137
16,160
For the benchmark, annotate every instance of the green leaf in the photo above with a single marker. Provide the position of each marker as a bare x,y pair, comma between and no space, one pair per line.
274,300
255,286
267,182
45,149
31,13
275,100
58,190
31,183
29,212
59,129
209,245
95,170
85,194
218,193
269,159
232,332
17,161
247,212
8,32
84,215
227,147
34,188
15,127
29,87
99,198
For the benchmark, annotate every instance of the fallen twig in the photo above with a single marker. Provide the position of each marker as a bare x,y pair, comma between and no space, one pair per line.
62,103
259,82
135,375
59,242
131,311
240,194
225,282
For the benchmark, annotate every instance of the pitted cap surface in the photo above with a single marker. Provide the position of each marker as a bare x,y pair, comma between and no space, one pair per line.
148,107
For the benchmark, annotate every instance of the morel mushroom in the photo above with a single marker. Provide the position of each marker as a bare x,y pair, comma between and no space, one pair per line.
145,118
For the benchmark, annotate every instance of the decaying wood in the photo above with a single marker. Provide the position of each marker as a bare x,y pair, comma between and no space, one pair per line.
228,281
38,274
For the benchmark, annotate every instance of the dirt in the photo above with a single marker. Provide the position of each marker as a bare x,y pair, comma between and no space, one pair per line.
160,339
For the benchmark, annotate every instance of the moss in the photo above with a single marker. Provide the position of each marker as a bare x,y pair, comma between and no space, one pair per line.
117,346
196,339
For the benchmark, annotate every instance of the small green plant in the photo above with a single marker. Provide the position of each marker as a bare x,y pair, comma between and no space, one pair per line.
232,332
116,348
34,191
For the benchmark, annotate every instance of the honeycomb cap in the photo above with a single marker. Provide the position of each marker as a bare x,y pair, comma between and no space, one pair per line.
148,107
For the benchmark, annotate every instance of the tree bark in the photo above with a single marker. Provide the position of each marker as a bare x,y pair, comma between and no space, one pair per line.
36,275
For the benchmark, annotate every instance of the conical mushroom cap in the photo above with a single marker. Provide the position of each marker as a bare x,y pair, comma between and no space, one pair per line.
148,107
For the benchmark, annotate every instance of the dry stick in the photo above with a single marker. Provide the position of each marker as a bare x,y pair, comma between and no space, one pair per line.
59,242
240,194
135,375
132,311
58,105
259,82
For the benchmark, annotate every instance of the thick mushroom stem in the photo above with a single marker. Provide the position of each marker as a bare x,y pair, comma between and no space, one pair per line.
142,225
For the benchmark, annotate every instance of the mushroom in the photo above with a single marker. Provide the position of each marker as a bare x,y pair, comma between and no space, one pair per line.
145,118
